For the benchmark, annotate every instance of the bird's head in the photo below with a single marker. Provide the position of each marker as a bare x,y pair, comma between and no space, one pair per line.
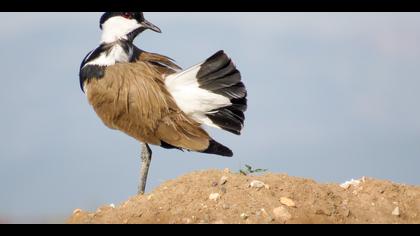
124,25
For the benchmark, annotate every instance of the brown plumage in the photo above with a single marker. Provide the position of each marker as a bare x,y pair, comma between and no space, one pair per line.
148,97
132,97
163,64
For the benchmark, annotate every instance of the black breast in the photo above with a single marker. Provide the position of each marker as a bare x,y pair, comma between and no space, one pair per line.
90,71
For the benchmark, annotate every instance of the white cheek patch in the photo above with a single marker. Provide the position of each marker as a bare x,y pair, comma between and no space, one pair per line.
117,27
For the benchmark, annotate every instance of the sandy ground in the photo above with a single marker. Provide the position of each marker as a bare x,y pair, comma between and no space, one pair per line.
222,197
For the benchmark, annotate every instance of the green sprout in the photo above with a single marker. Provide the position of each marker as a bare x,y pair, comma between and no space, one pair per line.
249,170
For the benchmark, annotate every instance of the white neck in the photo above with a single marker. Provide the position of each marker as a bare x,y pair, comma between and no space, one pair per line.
114,55
110,38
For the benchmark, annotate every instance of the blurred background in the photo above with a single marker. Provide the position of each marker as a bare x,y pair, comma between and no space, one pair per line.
332,96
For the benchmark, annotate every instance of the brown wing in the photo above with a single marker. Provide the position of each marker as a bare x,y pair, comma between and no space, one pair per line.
163,64
131,97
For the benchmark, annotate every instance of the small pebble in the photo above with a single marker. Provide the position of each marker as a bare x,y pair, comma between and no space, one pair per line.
226,171
396,211
266,215
77,211
244,216
256,184
287,201
223,180
214,196
352,182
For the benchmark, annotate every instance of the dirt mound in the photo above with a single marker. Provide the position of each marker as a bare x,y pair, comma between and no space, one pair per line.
223,197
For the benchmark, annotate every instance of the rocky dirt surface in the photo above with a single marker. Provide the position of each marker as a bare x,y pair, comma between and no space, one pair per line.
222,197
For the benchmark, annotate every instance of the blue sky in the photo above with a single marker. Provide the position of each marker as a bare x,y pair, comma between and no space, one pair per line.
332,96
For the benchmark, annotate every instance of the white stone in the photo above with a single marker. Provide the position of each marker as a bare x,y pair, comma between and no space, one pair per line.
256,184
77,211
352,182
287,201
214,196
244,216
396,211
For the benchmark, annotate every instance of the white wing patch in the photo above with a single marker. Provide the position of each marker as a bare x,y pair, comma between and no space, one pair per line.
193,100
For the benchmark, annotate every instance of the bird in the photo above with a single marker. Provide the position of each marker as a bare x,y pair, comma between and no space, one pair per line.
149,97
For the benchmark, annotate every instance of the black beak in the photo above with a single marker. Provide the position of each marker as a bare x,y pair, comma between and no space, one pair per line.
146,24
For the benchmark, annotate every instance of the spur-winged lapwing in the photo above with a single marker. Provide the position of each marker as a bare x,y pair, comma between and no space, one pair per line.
148,97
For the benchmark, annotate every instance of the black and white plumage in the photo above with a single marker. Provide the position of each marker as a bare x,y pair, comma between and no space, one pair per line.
211,93
147,96
119,29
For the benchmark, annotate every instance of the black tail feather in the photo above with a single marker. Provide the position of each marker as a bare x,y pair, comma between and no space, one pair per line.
240,104
233,92
219,75
214,63
229,119
218,149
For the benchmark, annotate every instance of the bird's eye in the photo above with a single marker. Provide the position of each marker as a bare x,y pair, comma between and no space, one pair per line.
127,15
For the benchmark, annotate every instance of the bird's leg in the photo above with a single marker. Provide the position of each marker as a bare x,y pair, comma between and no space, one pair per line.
146,158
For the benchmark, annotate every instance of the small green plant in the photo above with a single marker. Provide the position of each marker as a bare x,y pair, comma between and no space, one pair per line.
249,170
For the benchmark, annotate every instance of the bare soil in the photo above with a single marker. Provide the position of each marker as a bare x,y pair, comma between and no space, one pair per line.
282,199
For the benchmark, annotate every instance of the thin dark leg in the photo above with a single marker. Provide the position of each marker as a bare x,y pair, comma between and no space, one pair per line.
146,158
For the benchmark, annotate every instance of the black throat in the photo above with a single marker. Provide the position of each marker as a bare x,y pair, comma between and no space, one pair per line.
133,34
